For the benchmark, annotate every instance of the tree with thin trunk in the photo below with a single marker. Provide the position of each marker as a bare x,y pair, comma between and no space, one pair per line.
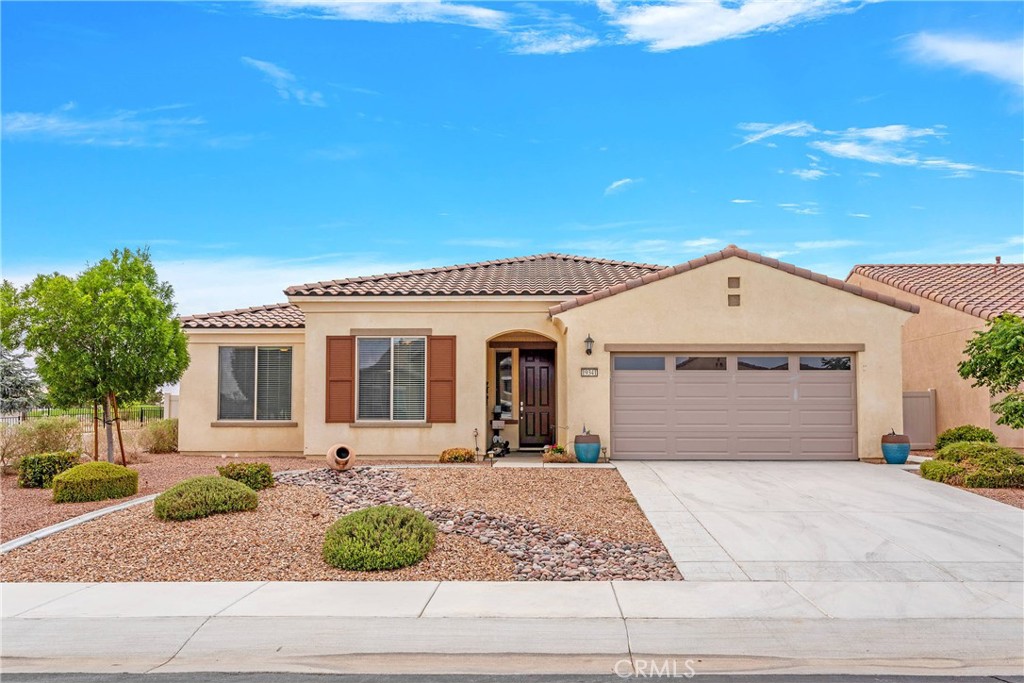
20,389
108,335
995,360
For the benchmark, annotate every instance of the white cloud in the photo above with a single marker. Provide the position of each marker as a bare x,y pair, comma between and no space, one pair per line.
534,42
779,253
701,243
123,128
487,243
826,244
688,23
285,83
859,215
663,251
801,209
386,11
741,201
620,185
809,173
763,131
894,145
999,59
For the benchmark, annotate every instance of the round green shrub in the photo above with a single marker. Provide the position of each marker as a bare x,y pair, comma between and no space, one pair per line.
202,497
942,470
382,537
95,481
976,464
964,433
965,450
255,475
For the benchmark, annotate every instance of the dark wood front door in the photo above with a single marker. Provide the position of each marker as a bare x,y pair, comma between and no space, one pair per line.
536,397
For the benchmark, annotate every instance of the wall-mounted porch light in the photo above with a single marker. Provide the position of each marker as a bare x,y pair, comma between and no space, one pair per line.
589,343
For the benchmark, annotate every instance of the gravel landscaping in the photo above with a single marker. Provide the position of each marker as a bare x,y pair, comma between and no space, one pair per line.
26,510
495,524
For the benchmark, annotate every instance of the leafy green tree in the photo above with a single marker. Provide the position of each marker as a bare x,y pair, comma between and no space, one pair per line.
12,323
995,359
20,388
107,336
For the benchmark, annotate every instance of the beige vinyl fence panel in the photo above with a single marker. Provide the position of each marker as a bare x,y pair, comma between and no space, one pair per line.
919,418
733,413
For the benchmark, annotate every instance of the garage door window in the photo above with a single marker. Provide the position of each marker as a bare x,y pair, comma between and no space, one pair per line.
825,363
639,362
763,363
700,363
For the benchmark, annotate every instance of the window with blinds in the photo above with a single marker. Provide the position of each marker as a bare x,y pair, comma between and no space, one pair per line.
392,379
254,383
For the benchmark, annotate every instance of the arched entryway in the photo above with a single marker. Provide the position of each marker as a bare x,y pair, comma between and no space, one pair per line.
522,388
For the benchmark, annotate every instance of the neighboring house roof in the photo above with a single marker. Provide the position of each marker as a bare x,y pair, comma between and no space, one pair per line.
728,252
541,274
272,316
984,290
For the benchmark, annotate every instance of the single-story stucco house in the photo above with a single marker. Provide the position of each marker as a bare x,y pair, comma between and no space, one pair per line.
730,356
955,300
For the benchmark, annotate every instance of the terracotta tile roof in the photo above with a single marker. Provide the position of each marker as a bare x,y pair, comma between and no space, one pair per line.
272,316
728,252
984,290
541,274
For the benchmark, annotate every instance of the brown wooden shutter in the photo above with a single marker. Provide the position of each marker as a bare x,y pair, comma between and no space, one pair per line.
341,379
440,379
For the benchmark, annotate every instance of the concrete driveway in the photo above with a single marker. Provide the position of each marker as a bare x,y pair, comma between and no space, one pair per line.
828,522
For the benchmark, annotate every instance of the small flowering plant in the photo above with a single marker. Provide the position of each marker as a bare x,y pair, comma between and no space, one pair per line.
556,453
555,448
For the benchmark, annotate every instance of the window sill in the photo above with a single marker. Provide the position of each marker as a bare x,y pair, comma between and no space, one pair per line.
391,425
254,423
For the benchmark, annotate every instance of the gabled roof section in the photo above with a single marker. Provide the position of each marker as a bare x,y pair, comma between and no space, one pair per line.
274,316
541,274
984,290
729,252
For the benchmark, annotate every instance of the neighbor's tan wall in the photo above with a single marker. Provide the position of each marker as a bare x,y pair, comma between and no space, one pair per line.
472,321
197,401
776,308
933,345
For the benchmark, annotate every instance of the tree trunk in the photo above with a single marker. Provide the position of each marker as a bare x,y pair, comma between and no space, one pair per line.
117,422
95,431
108,424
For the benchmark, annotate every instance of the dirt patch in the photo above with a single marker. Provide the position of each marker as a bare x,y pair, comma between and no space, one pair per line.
26,510
1014,497
589,502
279,541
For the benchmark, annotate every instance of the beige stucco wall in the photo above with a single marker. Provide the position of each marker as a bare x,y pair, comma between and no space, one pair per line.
933,345
473,321
197,400
776,308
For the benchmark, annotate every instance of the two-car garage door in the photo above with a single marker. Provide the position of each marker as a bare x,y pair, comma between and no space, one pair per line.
770,406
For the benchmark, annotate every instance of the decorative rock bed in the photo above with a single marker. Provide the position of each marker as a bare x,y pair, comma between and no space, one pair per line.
539,552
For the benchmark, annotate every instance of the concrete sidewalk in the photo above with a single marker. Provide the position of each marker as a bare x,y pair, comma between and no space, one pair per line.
970,628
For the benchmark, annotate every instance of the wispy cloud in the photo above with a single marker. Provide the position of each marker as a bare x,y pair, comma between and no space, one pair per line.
535,42
801,208
741,201
663,251
434,11
999,59
285,83
859,215
827,244
756,132
123,128
620,185
895,145
336,153
689,23
488,243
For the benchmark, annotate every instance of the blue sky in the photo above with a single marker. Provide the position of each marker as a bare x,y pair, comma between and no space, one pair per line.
258,145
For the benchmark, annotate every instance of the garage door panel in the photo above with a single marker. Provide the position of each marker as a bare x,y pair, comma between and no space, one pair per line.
789,414
695,417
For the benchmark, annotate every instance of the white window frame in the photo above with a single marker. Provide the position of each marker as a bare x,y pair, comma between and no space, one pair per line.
256,383
391,378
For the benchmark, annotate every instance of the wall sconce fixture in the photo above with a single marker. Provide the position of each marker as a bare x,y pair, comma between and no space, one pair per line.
589,343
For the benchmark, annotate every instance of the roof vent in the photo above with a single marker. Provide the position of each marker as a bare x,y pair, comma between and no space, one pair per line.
999,260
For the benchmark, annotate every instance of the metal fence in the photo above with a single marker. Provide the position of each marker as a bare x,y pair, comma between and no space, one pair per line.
137,414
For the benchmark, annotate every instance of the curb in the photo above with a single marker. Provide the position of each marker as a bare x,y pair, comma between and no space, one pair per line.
74,521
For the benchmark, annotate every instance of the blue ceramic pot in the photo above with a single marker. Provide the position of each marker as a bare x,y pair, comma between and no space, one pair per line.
896,453
588,448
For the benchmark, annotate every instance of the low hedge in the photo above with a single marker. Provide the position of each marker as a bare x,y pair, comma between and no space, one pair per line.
38,471
964,433
457,455
202,497
95,481
976,464
255,475
377,538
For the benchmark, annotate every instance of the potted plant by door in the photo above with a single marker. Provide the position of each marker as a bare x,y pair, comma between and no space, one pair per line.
895,448
587,446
